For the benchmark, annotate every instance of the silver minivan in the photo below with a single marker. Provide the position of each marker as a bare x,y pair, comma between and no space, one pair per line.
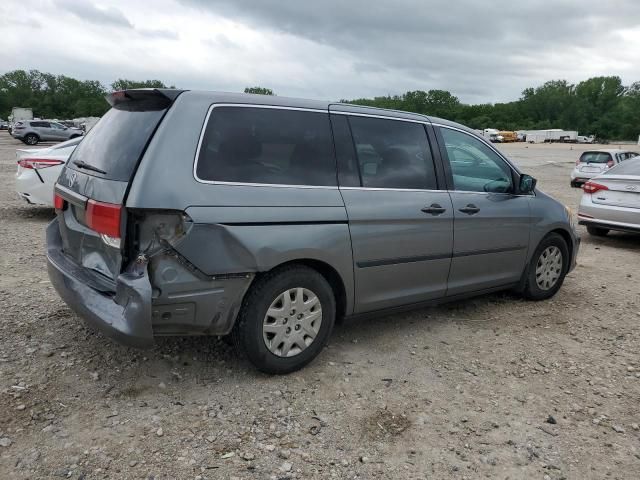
267,219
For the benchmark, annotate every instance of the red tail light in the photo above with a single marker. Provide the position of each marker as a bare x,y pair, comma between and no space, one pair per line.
610,163
104,218
593,187
38,163
58,202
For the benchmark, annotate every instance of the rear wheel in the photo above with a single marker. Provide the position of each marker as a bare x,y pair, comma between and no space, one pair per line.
285,320
597,231
547,268
31,139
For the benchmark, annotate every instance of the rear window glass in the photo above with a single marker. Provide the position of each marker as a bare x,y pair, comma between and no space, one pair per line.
392,153
630,167
267,145
115,143
595,157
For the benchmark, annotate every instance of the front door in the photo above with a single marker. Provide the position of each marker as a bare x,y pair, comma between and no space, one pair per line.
401,225
491,224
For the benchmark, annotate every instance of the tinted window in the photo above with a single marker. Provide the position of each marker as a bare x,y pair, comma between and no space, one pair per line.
392,153
348,173
40,124
116,142
474,166
265,145
595,157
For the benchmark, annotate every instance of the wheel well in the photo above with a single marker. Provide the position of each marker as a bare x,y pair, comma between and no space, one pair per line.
34,134
567,238
331,276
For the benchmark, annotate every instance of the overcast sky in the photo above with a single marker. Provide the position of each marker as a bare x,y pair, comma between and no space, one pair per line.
331,49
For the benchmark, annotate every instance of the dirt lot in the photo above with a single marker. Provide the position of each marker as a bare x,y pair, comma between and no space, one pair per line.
494,387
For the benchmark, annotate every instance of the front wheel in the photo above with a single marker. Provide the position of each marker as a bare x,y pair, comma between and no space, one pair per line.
547,268
31,139
285,320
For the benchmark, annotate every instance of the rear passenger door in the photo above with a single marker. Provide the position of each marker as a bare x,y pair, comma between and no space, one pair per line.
491,224
401,224
57,131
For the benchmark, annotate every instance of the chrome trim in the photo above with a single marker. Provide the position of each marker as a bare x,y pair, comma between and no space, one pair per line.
489,193
384,117
395,189
277,185
249,184
70,195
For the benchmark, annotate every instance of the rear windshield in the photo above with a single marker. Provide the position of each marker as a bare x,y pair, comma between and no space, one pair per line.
595,157
630,167
115,143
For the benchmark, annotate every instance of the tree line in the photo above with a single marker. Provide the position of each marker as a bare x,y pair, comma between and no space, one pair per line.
602,106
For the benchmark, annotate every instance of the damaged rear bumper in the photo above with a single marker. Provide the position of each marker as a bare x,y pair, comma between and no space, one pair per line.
124,317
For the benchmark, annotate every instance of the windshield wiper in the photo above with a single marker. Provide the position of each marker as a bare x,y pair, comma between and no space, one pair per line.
88,166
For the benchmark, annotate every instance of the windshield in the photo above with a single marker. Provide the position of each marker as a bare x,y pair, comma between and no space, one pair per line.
595,157
115,144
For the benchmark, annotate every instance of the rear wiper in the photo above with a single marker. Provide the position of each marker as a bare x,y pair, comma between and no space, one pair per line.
88,166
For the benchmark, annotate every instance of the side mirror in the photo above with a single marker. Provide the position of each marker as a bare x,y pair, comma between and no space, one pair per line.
527,184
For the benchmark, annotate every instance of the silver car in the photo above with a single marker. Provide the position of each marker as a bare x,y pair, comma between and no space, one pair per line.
595,162
612,201
268,218
33,131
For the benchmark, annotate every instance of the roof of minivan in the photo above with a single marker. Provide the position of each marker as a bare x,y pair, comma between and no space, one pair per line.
230,97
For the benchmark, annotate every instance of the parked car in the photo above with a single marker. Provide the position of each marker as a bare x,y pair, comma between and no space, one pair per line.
32,132
595,162
612,201
4,125
267,218
38,170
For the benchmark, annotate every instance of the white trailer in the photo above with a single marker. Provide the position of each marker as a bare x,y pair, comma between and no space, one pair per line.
18,114
551,135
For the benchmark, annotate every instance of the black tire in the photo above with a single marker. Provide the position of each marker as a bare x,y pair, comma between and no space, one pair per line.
73,136
31,139
248,331
532,290
597,231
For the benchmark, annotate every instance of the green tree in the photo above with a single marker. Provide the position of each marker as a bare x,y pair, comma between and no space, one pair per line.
259,90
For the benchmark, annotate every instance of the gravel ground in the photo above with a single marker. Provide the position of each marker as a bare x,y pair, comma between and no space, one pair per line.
492,387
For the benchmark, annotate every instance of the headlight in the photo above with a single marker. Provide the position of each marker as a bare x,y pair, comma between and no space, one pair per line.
570,216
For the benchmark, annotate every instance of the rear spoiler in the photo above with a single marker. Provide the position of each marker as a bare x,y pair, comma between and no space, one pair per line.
141,99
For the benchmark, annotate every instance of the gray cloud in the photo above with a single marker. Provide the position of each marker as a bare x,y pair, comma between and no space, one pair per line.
157,33
475,49
87,11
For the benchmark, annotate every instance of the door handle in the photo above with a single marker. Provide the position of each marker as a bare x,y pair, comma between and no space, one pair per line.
470,209
434,209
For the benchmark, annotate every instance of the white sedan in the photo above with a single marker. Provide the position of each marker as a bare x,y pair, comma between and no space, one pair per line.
38,170
612,201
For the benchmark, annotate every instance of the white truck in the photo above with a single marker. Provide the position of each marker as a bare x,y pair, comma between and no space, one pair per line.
585,139
493,135
17,114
